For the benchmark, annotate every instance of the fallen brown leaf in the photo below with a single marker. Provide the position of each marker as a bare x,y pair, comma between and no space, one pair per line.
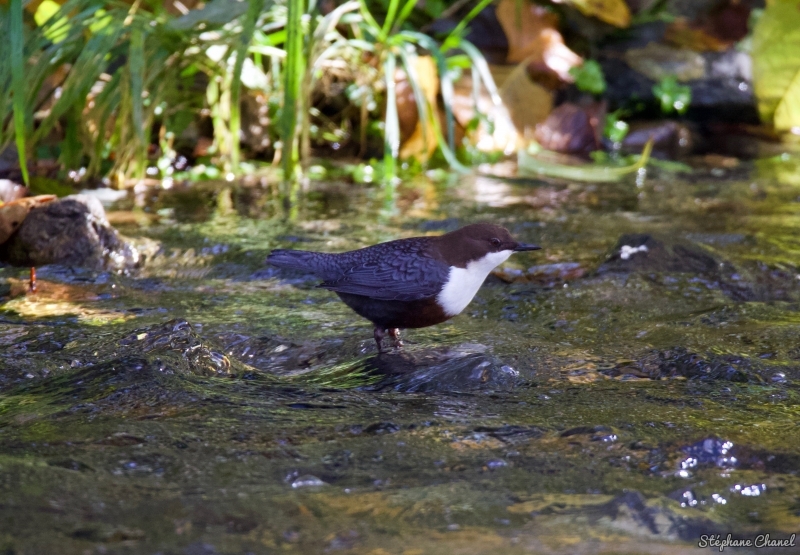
533,36
528,103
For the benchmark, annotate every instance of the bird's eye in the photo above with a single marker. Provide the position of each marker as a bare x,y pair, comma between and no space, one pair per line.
495,242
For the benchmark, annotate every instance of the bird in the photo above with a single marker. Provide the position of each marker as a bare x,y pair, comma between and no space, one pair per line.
409,283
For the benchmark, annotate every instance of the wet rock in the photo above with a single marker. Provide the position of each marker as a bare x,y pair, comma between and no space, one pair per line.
545,274
671,139
572,129
633,513
720,82
679,362
511,434
586,430
645,253
379,428
715,452
711,451
438,370
72,231
276,354
307,481
755,281
174,347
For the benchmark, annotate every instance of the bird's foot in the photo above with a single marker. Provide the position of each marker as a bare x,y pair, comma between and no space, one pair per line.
394,333
379,334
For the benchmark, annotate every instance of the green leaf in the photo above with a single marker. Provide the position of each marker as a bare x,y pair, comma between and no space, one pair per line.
44,12
776,64
136,69
46,186
589,77
248,27
391,141
615,129
213,14
537,167
673,96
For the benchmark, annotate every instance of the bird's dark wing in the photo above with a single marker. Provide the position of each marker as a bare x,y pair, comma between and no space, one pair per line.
400,270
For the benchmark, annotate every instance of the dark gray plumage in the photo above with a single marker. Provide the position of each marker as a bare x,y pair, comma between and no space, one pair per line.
402,270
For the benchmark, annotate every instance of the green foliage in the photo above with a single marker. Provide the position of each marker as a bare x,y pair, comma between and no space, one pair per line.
112,79
615,129
589,77
599,172
21,122
293,77
673,96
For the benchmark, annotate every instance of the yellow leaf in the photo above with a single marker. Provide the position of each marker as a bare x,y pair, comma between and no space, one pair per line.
787,114
776,64
422,142
615,12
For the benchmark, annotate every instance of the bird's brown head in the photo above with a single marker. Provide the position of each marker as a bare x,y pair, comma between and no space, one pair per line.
475,241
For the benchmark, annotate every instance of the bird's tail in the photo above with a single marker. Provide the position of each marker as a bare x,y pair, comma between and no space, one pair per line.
293,260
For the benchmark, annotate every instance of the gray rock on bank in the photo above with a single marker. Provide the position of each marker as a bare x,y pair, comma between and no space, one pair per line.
72,231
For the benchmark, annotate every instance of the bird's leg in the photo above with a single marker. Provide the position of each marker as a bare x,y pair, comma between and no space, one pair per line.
379,334
394,333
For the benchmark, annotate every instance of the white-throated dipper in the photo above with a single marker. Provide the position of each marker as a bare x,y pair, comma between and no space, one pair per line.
409,283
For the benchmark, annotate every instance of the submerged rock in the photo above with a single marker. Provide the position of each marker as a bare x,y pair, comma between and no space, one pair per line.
72,231
681,363
429,370
645,253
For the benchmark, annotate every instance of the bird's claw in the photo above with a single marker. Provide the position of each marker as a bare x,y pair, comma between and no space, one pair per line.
380,333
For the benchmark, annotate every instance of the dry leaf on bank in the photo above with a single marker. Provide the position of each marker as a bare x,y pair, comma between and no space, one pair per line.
420,144
528,103
683,35
533,35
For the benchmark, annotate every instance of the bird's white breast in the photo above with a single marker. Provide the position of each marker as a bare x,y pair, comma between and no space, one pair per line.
463,283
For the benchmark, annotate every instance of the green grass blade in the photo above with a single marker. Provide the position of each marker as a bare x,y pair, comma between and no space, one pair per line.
389,21
419,97
292,80
445,83
84,73
248,28
454,37
532,166
330,21
480,65
404,13
136,76
17,39
391,136
375,29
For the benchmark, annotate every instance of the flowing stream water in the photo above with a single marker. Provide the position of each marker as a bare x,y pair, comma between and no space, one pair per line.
631,388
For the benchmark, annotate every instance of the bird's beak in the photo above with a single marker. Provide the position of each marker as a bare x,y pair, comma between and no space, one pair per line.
521,247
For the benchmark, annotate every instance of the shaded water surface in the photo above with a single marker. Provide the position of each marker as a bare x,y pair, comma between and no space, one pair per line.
630,388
